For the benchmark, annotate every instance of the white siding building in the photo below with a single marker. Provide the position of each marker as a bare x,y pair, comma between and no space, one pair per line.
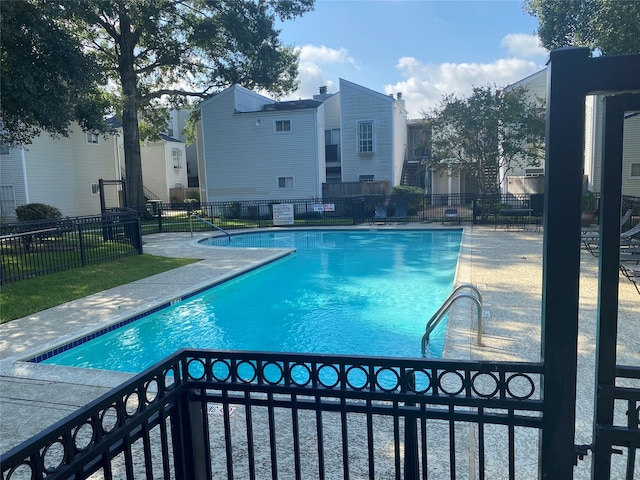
255,148
536,84
164,166
61,172
374,135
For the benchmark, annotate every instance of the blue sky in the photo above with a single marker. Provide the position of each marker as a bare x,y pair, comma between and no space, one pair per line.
422,48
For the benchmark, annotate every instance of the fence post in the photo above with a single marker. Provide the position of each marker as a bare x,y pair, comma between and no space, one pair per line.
159,219
188,434
411,468
83,260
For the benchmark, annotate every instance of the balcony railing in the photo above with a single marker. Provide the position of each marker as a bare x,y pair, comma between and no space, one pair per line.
213,414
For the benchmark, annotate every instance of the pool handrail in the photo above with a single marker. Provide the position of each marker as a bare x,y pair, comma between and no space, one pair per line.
208,223
437,317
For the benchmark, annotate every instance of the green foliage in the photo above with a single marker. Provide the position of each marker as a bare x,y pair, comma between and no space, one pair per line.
194,195
48,81
407,190
487,134
588,201
612,27
36,211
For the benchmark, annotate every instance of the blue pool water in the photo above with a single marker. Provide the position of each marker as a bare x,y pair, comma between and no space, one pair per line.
342,292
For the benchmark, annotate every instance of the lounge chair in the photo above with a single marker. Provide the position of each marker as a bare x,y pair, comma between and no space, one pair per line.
400,214
380,215
632,272
592,242
451,215
594,234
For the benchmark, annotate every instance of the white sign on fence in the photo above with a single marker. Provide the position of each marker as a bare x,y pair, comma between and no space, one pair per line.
283,214
326,207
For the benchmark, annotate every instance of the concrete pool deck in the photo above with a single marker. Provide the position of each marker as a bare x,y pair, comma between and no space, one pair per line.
506,265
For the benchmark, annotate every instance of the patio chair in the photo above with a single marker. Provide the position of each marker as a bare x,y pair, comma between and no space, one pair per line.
400,214
451,215
380,215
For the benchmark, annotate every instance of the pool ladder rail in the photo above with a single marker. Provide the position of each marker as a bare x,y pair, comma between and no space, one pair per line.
198,217
462,291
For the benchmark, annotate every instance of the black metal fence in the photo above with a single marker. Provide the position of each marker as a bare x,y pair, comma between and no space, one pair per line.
29,249
212,414
487,209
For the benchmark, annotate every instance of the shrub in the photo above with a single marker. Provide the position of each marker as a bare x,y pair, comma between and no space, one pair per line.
36,211
193,195
407,190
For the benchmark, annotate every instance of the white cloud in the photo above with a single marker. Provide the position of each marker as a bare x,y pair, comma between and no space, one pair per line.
523,45
426,84
313,66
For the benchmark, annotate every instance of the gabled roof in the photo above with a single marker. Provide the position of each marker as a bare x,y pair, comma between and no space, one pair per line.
167,138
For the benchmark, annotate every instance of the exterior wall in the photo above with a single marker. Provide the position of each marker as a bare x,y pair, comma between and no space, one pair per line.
13,184
244,156
631,152
536,85
442,183
399,142
60,172
361,104
177,123
154,169
593,148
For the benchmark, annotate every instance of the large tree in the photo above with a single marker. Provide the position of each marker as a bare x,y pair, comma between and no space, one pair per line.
610,26
487,134
47,80
158,52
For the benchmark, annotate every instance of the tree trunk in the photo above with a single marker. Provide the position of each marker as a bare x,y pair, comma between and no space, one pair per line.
130,130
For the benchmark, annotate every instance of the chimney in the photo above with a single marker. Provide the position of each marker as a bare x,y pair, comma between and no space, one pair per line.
399,95
323,90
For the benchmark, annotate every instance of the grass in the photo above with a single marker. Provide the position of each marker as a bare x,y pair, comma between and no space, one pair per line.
33,295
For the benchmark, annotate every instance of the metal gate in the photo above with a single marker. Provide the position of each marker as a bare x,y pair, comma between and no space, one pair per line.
572,75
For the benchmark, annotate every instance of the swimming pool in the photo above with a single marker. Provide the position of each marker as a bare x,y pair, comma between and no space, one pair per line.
342,292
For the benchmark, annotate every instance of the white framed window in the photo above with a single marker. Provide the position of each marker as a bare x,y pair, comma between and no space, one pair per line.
95,189
282,126
365,136
285,183
7,200
93,138
176,155
634,170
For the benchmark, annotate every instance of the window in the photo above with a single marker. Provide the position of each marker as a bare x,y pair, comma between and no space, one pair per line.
365,137
7,200
93,138
366,178
95,189
283,126
285,182
533,172
634,170
176,155
4,149
332,145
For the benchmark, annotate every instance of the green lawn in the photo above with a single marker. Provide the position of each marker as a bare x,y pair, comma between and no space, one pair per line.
36,294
